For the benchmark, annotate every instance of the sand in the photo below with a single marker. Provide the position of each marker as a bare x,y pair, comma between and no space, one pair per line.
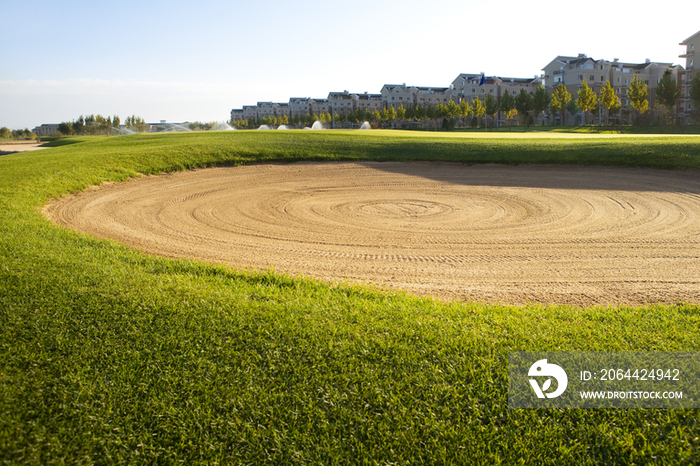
498,234
11,148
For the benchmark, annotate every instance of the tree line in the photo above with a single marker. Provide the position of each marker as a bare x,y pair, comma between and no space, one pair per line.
17,134
99,125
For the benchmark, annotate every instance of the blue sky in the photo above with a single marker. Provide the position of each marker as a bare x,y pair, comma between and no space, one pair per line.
180,60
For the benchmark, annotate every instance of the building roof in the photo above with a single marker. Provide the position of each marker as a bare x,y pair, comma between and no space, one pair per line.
689,38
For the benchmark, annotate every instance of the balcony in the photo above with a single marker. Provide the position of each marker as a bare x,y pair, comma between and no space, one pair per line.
687,54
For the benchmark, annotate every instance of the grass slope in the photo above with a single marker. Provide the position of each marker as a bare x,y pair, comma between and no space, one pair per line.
109,356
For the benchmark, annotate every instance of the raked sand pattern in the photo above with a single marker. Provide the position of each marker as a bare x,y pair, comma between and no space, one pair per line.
507,234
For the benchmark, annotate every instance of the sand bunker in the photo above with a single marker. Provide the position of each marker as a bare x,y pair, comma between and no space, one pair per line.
548,234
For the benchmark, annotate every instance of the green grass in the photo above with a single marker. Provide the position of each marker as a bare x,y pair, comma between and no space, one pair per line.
110,356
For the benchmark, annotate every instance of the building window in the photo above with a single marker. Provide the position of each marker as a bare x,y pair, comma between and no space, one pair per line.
602,78
580,77
618,79
602,67
592,78
627,81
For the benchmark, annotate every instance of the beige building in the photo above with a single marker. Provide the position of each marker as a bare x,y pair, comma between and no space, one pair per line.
307,106
395,95
466,86
250,112
370,102
299,106
346,102
272,109
692,44
572,71
237,114
46,130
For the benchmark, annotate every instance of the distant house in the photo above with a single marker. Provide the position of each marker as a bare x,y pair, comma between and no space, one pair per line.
46,130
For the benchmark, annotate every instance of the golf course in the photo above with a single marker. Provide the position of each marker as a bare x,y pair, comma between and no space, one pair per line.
338,297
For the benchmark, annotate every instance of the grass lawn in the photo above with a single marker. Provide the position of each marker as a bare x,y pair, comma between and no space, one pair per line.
110,356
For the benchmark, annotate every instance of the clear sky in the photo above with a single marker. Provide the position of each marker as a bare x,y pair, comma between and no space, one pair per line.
196,60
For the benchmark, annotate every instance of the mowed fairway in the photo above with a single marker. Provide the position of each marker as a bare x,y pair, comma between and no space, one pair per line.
547,234
109,355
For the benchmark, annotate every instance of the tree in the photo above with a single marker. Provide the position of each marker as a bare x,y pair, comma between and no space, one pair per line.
5,133
431,113
391,115
401,113
695,98
638,93
609,99
464,110
491,106
586,99
523,103
560,98
507,105
478,108
420,113
540,102
668,92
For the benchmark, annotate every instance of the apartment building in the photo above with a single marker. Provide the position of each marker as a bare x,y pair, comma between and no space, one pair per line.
299,106
691,44
370,102
572,71
395,95
307,106
250,112
346,102
237,114
47,129
272,109
466,86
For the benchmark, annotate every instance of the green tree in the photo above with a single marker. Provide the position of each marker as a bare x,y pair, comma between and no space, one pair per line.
586,99
431,113
478,108
638,94
5,133
507,105
523,104
464,110
695,98
376,116
491,106
668,92
540,101
391,115
401,113
608,98
452,109
560,98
